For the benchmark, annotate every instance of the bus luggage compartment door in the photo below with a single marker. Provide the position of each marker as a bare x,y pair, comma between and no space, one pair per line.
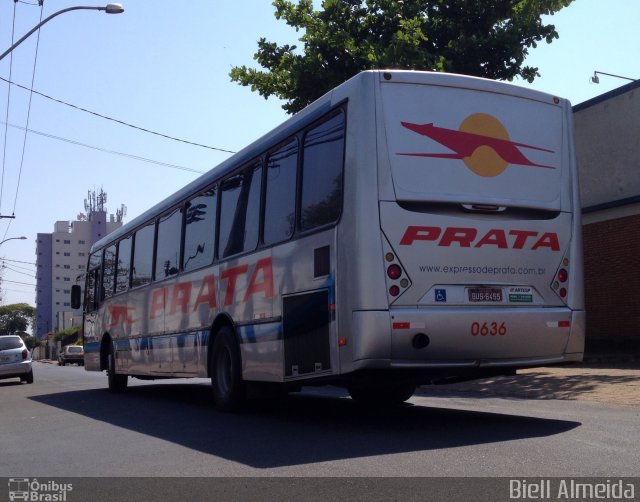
306,319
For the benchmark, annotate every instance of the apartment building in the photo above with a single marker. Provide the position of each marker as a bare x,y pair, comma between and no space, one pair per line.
61,262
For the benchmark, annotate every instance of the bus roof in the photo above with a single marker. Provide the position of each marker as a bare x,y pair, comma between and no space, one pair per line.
308,115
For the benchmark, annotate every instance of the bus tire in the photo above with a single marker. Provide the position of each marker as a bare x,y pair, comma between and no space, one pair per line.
117,383
229,390
381,395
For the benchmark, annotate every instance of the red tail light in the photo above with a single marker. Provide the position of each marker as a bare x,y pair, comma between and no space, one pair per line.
397,279
560,280
394,271
25,354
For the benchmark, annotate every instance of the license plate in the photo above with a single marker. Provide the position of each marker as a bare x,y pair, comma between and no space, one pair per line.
4,359
485,294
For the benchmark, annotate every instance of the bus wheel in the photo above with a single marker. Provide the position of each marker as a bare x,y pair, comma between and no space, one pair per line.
229,390
381,395
117,383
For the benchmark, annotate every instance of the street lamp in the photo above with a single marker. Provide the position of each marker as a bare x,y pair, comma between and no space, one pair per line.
111,8
12,238
596,80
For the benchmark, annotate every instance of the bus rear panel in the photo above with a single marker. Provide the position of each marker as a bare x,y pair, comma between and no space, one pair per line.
479,230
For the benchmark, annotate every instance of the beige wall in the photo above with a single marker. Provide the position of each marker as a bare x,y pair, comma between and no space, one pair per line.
608,146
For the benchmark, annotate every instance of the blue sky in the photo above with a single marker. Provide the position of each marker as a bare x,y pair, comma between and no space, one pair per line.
164,66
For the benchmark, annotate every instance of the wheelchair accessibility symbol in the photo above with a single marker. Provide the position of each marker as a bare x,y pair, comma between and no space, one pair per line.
441,295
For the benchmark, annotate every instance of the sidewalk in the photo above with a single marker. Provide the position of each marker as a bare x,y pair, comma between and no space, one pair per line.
605,383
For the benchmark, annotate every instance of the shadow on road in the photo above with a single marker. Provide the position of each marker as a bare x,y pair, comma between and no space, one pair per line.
300,429
543,385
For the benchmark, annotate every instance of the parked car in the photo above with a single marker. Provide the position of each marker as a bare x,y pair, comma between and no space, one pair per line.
71,354
15,359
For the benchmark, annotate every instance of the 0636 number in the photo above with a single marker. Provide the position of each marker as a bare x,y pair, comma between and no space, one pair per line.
494,328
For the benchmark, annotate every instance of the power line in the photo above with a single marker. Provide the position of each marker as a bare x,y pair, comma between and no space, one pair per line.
26,126
19,261
4,151
28,269
16,282
105,150
121,122
24,140
16,271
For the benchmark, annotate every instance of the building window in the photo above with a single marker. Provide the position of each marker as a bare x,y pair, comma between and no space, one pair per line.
67,266
67,242
67,254
67,279
81,242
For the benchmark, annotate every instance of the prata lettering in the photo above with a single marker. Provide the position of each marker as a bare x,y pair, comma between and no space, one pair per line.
470,237
183,297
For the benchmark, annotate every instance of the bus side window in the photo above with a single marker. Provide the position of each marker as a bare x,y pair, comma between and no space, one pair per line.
200,230
91,290
108,271
323,159
240,212
143,255
168,244
280,193
124,264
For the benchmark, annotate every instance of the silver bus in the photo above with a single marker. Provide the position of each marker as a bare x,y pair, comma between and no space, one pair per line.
405,229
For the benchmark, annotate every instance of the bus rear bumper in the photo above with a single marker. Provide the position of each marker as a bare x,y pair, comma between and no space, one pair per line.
451,338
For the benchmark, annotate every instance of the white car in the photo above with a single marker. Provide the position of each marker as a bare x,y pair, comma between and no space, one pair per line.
15,359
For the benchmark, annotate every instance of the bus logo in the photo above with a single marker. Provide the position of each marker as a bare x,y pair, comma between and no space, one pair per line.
481,142
18,489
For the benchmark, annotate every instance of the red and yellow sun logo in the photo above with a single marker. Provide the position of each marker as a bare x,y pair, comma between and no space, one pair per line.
481,142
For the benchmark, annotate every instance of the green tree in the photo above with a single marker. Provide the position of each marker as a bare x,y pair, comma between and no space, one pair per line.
16,317
31,342
485,38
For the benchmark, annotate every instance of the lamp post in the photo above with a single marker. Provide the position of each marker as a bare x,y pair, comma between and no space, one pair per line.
596,80
111,8
21,238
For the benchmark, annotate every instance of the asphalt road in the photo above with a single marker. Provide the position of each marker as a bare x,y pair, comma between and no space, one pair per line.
68,424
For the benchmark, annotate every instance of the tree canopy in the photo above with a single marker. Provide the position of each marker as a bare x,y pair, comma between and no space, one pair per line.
488,38
16,318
